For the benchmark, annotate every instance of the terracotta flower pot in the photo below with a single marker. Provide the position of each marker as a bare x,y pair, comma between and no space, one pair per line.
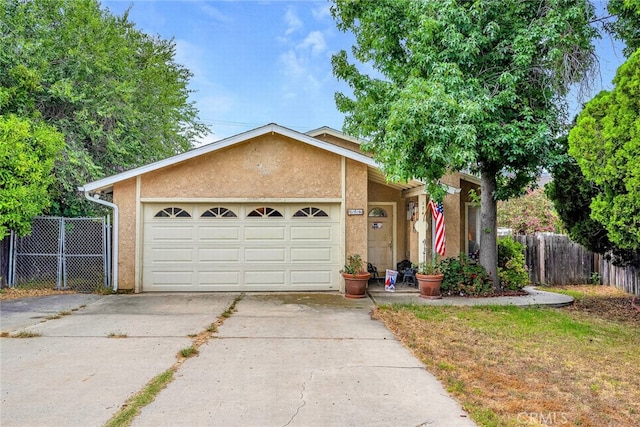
356,284
430,285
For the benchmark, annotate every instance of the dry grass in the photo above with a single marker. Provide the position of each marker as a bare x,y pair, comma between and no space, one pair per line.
511,366
15,293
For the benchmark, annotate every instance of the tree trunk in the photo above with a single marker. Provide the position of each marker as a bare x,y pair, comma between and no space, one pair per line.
488,230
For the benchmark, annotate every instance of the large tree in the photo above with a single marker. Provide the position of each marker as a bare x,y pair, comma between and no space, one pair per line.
462,85
115,93
572,195
606,145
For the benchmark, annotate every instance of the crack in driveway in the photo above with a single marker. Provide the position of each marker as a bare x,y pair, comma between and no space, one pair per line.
304,402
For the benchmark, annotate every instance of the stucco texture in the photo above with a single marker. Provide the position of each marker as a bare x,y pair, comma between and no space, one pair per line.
356,198
124,196
271,166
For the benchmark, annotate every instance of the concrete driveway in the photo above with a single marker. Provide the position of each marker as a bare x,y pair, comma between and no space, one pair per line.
279,360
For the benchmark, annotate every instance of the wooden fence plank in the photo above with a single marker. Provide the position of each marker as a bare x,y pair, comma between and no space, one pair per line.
553,259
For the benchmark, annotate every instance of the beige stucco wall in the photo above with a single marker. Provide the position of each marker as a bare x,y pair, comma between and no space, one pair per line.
356,198
124,196
340,142
271,166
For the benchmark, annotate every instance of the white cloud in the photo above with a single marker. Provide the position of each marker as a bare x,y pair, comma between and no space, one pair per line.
215,13
293,63
294,23
190,56
315,41
321,12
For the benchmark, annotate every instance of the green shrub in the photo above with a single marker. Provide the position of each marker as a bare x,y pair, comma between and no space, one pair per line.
464,276
512,270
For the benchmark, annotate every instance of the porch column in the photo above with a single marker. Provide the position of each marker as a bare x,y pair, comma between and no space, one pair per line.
422,226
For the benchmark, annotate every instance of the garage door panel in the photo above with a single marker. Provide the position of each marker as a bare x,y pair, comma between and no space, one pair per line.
311,233
315,255
264,233
174,234
308,277
218,255
174,278
172,256
219,278
264,278
210,233
265,255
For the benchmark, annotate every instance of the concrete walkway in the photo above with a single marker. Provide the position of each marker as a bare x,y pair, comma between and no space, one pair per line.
409,295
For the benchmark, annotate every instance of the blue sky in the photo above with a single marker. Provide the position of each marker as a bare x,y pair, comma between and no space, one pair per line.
258,62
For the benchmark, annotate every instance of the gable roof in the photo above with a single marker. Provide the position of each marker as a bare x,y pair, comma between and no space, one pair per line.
374,167
326,130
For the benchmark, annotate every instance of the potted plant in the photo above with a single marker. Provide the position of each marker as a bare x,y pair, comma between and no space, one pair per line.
355,277
429,277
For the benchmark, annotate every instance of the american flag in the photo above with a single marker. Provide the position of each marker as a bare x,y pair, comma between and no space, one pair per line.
437,211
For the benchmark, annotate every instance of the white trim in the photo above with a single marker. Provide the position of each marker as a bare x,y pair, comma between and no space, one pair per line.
239,200
272,128
343,214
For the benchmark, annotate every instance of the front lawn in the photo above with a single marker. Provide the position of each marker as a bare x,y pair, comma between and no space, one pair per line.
512,366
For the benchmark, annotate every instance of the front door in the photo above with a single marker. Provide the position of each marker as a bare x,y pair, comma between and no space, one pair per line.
380,238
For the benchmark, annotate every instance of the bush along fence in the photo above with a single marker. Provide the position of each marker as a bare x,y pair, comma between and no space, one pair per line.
553,259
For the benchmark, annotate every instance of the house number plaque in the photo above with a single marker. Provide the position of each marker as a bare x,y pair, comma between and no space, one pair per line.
355,212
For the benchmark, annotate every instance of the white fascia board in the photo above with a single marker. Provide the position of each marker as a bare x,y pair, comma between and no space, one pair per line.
218,145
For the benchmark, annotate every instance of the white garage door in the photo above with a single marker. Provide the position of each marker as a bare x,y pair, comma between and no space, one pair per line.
233,247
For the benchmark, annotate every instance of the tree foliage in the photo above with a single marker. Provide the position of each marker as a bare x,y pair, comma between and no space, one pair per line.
626,25
572,194
463,85
27,152
116,94
606,145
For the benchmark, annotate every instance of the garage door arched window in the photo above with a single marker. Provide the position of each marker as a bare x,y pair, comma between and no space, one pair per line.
264,212
219,212
172,212
310,212
378,212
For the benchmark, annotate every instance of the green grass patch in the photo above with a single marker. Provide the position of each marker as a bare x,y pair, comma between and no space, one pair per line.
189,351
125,416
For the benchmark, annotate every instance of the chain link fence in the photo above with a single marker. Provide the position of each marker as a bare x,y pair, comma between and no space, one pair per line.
64,254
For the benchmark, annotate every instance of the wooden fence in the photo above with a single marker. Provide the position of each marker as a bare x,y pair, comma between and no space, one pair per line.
553,259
